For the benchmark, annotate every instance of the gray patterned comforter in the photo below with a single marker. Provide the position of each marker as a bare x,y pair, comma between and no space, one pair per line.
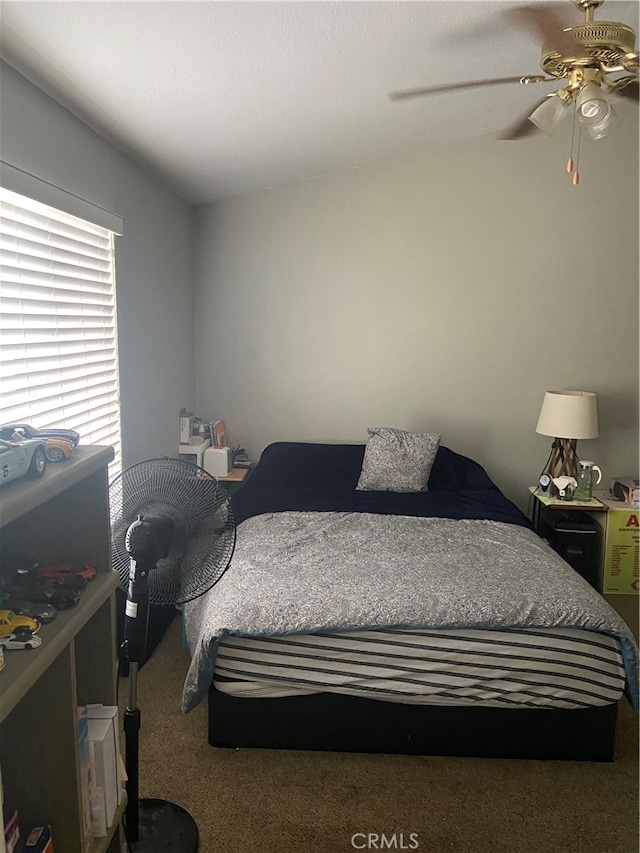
303,572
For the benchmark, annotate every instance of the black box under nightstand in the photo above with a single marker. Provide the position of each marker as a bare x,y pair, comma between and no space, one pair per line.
576,538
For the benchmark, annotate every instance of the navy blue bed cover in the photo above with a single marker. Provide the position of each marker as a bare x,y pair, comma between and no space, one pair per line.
306,477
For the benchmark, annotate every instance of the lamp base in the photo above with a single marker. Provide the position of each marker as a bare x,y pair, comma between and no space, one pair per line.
165,828
563,461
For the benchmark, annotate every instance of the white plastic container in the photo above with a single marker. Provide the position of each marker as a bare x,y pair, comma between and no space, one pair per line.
217,461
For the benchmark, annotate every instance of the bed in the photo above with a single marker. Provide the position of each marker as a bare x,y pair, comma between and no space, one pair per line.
430,621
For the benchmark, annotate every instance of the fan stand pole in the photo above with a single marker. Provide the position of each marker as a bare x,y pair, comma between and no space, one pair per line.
132,750
153,826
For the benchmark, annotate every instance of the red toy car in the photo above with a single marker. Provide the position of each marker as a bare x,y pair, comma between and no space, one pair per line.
67,572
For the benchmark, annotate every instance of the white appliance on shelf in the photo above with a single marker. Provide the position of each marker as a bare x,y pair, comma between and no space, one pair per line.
218,461
194,452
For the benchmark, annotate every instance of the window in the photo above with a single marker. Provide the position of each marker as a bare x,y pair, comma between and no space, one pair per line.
58,336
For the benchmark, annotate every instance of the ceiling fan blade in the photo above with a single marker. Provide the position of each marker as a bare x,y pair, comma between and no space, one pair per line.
628,91
520,129
630,61
405,94
547,24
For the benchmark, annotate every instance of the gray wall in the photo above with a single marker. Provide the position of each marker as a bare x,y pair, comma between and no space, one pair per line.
445,291
442,292
153,258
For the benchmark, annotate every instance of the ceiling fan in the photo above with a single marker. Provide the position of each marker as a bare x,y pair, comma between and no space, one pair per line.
595,58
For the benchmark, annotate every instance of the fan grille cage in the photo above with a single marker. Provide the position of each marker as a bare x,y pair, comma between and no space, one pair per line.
204,529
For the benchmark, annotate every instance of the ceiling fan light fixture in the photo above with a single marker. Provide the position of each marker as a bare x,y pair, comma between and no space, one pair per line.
592,105
599,131
550,113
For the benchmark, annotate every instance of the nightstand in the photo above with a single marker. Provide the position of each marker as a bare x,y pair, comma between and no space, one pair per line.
234,480
571,530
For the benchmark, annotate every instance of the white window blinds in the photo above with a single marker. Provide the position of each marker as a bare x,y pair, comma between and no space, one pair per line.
58,336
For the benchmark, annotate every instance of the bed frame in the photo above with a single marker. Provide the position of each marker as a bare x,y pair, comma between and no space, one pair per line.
314,477
338,723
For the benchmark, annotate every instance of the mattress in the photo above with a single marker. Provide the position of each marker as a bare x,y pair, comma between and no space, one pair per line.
546,668
320,563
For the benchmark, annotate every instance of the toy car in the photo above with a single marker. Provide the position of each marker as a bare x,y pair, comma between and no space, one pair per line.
16,570
68,571
11,623
49,592
14,561
27,586
41,611
22,642
62,598
20,579
60,443
7,430
58,448
20,458
62,576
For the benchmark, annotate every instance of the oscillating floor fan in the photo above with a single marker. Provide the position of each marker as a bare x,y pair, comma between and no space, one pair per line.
172,537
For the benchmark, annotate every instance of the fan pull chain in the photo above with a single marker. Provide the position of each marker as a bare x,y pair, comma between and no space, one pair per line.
576,174
570,162
573,133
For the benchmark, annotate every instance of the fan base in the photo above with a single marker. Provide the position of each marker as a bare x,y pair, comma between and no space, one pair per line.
165,828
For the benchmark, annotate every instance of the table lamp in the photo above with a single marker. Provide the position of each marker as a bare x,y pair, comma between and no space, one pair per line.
567,416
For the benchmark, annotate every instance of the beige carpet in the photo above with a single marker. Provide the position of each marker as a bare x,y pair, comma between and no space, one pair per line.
272,801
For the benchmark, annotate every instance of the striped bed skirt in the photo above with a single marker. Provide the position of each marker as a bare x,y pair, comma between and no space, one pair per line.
564,668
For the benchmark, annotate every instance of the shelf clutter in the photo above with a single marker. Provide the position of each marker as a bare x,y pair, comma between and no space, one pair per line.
614,518
206,444
61,518
104,779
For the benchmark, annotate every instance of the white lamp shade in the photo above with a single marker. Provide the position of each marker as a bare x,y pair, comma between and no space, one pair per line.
549,114
592,105
568,414
599,131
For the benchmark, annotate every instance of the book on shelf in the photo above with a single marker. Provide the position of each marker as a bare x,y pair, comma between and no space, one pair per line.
38,841
85,778
186,423
12,841
104,767
104,750
218,434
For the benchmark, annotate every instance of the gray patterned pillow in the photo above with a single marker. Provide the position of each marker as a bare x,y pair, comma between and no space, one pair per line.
397,461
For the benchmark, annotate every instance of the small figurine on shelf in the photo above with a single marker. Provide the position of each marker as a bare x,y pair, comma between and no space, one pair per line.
22,458
13,624
565,487
59,443
20,641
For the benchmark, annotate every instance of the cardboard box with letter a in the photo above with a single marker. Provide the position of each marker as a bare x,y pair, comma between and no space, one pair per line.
620,547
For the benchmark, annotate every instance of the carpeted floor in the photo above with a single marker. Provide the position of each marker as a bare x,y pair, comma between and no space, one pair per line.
271,801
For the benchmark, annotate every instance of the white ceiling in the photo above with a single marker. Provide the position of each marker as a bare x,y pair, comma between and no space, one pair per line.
221,98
